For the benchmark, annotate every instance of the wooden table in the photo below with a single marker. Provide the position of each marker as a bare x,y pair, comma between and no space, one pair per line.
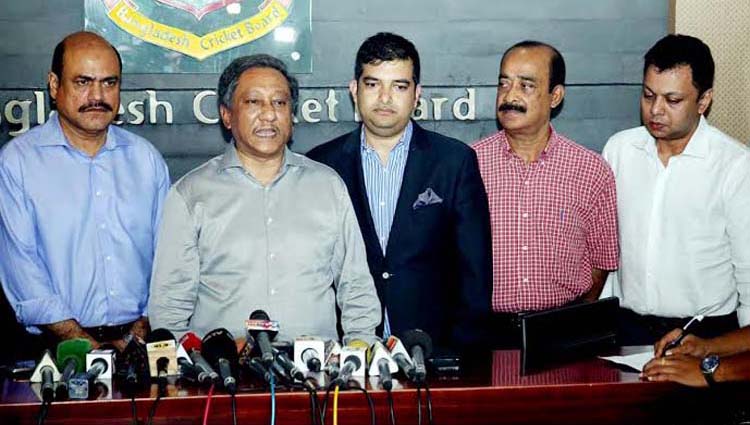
490,392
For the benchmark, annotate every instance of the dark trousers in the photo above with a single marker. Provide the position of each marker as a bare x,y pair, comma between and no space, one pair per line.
505,331
637,329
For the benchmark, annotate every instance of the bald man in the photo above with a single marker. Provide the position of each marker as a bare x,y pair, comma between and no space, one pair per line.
80,203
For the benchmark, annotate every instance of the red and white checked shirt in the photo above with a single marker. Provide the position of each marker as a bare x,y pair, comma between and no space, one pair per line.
553,220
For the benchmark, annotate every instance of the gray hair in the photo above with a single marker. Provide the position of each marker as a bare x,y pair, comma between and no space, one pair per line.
231,76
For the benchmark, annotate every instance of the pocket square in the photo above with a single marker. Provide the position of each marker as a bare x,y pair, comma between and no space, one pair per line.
428,197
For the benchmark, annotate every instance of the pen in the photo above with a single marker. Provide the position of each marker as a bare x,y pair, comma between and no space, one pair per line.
676,342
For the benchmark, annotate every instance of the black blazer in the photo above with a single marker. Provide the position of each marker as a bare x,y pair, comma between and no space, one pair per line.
436,274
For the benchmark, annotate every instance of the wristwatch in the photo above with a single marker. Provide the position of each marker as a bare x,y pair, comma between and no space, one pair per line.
709,364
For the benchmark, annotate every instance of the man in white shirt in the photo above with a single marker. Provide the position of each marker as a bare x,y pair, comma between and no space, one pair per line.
683,195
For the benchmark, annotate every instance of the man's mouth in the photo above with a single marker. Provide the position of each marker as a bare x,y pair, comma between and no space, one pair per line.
265,132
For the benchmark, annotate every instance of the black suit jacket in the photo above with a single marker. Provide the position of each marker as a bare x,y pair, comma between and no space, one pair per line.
436,273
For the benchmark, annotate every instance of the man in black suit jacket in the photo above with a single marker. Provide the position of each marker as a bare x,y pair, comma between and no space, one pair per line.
419,200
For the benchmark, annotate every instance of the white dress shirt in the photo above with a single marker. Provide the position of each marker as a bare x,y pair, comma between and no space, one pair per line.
685,227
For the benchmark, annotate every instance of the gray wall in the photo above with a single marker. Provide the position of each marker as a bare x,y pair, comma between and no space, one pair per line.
460,43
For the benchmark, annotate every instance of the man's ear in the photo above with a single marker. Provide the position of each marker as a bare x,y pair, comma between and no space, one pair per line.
353,90
417,95
226,116
558,93
54,84
705,101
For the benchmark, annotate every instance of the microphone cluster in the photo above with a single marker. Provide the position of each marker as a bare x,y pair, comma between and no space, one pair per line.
309,362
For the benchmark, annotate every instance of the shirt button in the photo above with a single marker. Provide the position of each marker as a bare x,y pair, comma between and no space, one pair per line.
526,182
108,258
273,292
271,256
524,248
98,193
525,215
382,203
111,292
526,280
386,275
102,226
270,220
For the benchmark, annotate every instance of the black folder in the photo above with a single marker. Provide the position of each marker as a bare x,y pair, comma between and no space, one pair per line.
564,334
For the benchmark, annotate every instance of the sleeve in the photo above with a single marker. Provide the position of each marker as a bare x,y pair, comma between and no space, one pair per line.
162,189
601,239
737,206
176,269
25,278
355,288
474,249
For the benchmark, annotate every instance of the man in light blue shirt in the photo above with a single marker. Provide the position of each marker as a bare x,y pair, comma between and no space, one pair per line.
80,203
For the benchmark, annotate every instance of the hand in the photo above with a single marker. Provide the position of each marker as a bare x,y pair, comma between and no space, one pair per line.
120,344
683,369
140,328
691,345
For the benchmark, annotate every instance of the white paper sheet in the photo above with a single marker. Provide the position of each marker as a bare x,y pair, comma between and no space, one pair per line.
636,360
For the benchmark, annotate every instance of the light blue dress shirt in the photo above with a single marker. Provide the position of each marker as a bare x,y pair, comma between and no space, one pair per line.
77,233
383,185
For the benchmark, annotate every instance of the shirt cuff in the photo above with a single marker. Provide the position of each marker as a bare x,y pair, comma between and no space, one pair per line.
42,311
743,315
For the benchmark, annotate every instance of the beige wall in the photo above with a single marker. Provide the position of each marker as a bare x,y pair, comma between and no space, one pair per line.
725,26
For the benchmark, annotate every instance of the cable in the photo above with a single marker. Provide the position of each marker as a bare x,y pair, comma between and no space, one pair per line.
336,406
314,413
234,409
419,405
325,405
43,410
208,404
271,382
152,413
134,409
390,407
370,404
429,402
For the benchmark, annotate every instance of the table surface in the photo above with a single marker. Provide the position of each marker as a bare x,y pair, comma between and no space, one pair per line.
491,390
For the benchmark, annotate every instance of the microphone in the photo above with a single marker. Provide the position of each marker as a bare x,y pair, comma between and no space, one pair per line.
382,365
71,356
263,330
162,355
333,358
419,344
256,367
133,363
46,373
288,366
354,360
206,374
220,351
308,353
400,356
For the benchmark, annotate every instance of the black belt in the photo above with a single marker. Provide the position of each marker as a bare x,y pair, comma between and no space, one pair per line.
109,333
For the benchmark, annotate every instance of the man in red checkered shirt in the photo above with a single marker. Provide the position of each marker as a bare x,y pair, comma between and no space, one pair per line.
552,202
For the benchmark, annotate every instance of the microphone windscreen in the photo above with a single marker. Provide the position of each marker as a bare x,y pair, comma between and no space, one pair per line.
259,315
74,349
219,344
419,337
191,342
160,334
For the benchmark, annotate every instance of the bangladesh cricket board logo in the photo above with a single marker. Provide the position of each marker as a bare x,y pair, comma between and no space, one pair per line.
132,17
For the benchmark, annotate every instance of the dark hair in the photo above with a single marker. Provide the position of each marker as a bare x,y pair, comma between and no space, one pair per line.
59,55
383,47
677,50
556,63
231,77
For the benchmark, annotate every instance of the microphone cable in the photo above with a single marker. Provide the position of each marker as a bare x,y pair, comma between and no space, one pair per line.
272,384
152,412
43,411
234,409
429,402
208,404
336,406
419,405
133,410
392,412
370,404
